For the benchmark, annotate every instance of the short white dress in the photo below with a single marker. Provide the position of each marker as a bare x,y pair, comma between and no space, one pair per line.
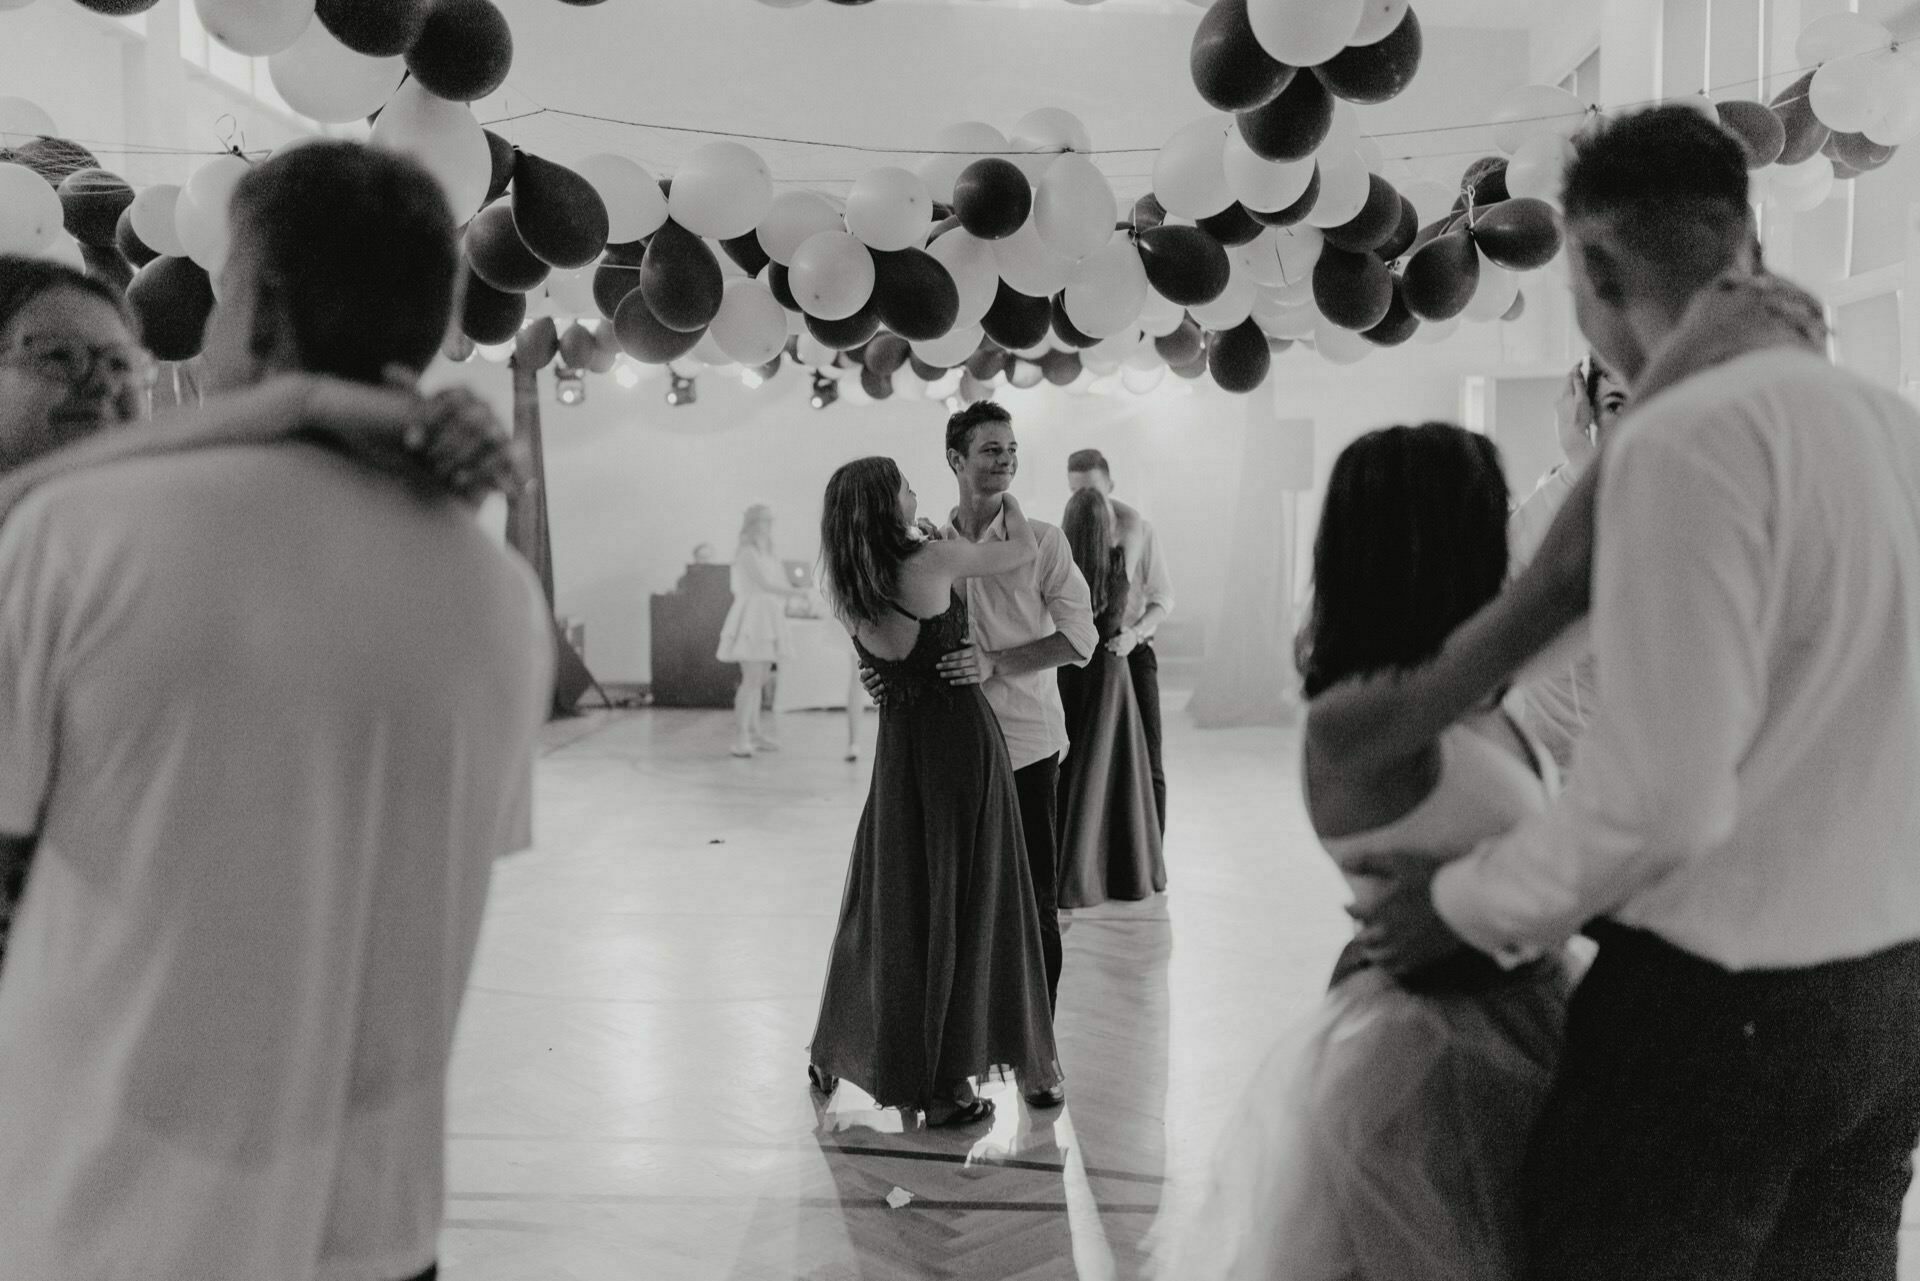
756,629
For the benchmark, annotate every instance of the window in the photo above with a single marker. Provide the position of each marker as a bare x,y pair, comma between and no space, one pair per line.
249,75
1583,82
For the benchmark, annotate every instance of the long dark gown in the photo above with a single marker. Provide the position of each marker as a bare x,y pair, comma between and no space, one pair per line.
936,974
1109,826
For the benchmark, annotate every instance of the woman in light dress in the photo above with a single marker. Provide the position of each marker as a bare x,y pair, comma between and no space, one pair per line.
756,634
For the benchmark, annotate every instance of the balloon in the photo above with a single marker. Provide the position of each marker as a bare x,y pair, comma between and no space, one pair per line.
1235,302
1230,69
464,51
376,28
844,335
879,386
1185,264
1759,130
1044,133
91,202
1017,321
1290,322
54,158
1432,333
535,346
1159,314
321,78
577,346
497,254
1493,294
1142,381
644,338
745,253
914,295
1304,33
489,315
1238,358
1539,167
1403,236
200,214
1536,109
723,190
1375,72
987,362
1293,125
1282,255
1182,345
992,198
635,207
1060,367
458,347
171,299
832,275
955,147
779,283
794,216
1518,309
558,213
1442,277
681,279
1353,290
1341,346
1804,186
1147,212
128,243
885,354
1106,290
1484,183
1518,234
255,27
1263,184
1295,213
1839,35
1805,134
889,209
1848,94
21,120
1378,20
970,261
445,138
1029,265
1073,207
1232,226
571,293
1189,174
1375,224
1398,325
951,349
1345,188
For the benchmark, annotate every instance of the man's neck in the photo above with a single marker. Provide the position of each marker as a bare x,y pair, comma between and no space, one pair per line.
976,511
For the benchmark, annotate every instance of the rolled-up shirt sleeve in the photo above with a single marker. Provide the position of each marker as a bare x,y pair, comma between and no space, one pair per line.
1678,624
1153,568
1065,591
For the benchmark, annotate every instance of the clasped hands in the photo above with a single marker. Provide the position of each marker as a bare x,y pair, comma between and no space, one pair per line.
447,442
969,665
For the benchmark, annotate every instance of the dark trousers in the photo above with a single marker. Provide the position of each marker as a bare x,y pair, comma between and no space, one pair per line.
1038,786
1715,1125
1144,666
431,1274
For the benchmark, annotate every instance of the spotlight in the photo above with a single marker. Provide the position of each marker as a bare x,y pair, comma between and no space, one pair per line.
681,391
626,375
825,391
570,386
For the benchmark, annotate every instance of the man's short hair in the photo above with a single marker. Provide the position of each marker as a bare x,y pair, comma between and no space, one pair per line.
1089,460
364,245
1674,184
961,426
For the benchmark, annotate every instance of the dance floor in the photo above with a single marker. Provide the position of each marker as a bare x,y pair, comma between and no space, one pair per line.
629,1097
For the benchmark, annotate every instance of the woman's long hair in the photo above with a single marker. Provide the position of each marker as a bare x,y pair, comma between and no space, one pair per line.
1088,526
1412,542
863,541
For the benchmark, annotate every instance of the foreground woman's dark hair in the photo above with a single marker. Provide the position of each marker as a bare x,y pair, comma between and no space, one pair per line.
863,540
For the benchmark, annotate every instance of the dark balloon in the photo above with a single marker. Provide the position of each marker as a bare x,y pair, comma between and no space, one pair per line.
987,361
1437,228
1520,234
643,337
464,51
535,346
54,158
1441,276
1397,325
1352,289
578,346
681,279
1375,72
1017,321
105,264
992,198
780,284
876,384
914,295
845,335
1185,264
1193,369
1060,367
1295,212
1802,133
91,202
1376,222
972,389
1024,373
1486,181
489,315
119,8
1293,125
1758,128
1857,152
606,348
1238,358
612,282
885,354
128,242
1148,212
457,348
1063,326
502,154
942,227
923,371
1184,344
497,254
1230,69
1231,226
1518,309
377,28
746,253
558,214
1403,235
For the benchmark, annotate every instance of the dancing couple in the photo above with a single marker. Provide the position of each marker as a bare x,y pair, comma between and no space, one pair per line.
1732,1090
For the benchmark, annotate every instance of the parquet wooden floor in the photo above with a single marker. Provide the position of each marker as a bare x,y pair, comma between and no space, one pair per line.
629,1098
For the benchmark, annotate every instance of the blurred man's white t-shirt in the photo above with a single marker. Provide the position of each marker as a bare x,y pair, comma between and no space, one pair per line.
274,718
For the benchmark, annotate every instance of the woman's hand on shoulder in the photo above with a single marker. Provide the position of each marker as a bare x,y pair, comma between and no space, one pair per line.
449,443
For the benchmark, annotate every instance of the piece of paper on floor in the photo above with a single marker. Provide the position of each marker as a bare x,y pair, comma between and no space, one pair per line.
899,1197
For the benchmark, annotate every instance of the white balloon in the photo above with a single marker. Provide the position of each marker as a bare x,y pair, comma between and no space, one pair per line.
1043,134
1341,346
65,249
635,206
831,275
1494,294
950,349
1189,174
975,271
814,354
794,217
1838,35
1160,315
955,147
256,28
152,216
1377,20
1073,207
1437,331
1142,381
1535,109
323,79
1117,348
1847,94
889,209
1433,200
1295,292
1266,185
723,190
1799,188
22,121
1143,356
30,214
1107,290
1539,167
1278,321
1304,33
445,138
200,212
1029,265
1234,305
1344,187
750,327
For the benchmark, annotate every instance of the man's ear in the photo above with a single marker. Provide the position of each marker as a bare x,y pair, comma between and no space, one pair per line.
954,461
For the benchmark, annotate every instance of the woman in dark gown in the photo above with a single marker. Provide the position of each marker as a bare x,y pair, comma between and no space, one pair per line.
1109,830
936,976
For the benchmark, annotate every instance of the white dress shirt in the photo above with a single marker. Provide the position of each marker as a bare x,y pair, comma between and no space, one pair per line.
1024,605
1553,705
1747,788
1148,582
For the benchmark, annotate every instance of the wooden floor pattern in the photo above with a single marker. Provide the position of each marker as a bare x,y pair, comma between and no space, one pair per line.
629,1096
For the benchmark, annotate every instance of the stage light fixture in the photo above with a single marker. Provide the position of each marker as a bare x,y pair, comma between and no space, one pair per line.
825,391
570,386
681,391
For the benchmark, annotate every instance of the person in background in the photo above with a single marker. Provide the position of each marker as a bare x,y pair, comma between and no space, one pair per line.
756,634
1149,601
269,718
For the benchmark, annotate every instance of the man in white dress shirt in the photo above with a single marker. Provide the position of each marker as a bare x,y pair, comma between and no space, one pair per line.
1740,1091
1149,601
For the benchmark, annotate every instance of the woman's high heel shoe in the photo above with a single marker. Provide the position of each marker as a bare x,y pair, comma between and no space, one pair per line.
958,1114
821,1081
